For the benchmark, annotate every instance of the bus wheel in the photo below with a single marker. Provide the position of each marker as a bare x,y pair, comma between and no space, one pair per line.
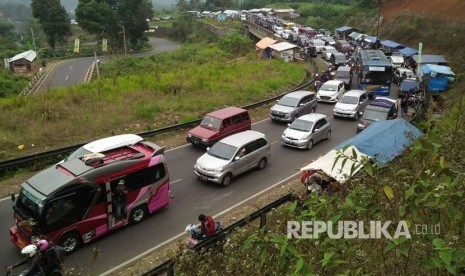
70,242
138,214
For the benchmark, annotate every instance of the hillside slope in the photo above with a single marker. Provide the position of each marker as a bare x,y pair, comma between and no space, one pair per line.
444,8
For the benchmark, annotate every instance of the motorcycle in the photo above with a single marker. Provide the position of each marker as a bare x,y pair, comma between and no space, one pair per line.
197,235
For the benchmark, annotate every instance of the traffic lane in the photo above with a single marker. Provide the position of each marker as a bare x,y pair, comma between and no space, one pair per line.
193,196
67,73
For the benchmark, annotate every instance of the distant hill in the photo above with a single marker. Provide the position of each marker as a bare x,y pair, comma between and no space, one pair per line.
70,5
444,8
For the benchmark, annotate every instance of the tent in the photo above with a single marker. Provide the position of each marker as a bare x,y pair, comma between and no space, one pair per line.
384,140
439,77
370,39
341,174
265,43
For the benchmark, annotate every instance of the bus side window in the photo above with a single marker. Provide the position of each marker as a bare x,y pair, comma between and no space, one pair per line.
145,177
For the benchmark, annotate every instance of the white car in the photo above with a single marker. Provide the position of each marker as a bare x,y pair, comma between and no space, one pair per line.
306,131
279,30
326,52
105,144
331,91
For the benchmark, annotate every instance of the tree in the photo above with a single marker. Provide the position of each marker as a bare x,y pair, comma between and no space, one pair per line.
113,19
54,20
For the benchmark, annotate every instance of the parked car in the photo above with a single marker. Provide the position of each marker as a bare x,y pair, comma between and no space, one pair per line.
338,59
409,86
306,131
232,156
293,105
105,144
381,108
396,61
344,74
303,40
351,104
342,45
326,52
290,35
318,43
399,75
331,91
329,41
219,124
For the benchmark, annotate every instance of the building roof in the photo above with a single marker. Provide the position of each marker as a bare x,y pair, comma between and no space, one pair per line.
435,59
28,55
265,43
392,44
407,51
282,46
354,35
343,29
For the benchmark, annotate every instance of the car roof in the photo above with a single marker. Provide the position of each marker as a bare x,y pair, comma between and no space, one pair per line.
344,68
401,69
312,117
334,82
242,138
112,142
226,112
299,94
354,92
383,102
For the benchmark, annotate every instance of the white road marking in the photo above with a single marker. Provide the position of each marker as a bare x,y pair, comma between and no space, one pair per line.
175,181
67,76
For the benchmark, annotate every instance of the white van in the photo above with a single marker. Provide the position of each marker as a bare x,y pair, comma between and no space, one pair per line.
318,44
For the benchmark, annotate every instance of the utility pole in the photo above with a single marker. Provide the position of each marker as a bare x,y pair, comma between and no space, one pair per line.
379,8
33,40
124,37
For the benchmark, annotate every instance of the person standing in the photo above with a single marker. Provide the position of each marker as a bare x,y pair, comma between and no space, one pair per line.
120,200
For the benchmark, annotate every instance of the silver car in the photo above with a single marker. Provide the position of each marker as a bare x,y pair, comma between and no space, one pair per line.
232,156
351,104
293,105
306,131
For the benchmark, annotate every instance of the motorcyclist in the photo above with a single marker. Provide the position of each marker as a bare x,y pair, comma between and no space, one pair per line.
51,260
32,255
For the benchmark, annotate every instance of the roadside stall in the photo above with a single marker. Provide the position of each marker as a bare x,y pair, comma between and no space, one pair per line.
262,47
436,77
284,50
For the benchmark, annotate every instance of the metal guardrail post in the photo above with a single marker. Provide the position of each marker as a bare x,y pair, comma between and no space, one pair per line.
262,220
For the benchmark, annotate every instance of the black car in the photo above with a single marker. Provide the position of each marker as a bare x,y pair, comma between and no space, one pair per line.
382,108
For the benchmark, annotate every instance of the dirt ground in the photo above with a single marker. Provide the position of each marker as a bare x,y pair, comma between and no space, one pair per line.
447,8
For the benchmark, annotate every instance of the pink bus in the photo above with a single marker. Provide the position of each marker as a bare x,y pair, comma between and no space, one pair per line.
71,203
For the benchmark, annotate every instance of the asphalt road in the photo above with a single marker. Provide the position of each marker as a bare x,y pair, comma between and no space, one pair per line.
73,71
192,196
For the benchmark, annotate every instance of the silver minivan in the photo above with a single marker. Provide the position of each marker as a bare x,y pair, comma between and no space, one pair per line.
232,156
351,104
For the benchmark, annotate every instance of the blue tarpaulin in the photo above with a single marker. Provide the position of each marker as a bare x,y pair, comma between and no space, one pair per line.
409,86
437,85
391,44
440,76
407,51
439,69
384,140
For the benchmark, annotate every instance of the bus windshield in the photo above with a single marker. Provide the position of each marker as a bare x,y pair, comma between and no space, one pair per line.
29,204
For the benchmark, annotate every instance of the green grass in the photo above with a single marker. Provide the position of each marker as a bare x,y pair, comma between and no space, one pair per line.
139,94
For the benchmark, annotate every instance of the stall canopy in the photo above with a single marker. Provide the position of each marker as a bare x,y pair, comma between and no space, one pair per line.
384,140
354,35
432,59
391,44
265,43
370,39
407,51
440,77
337,171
